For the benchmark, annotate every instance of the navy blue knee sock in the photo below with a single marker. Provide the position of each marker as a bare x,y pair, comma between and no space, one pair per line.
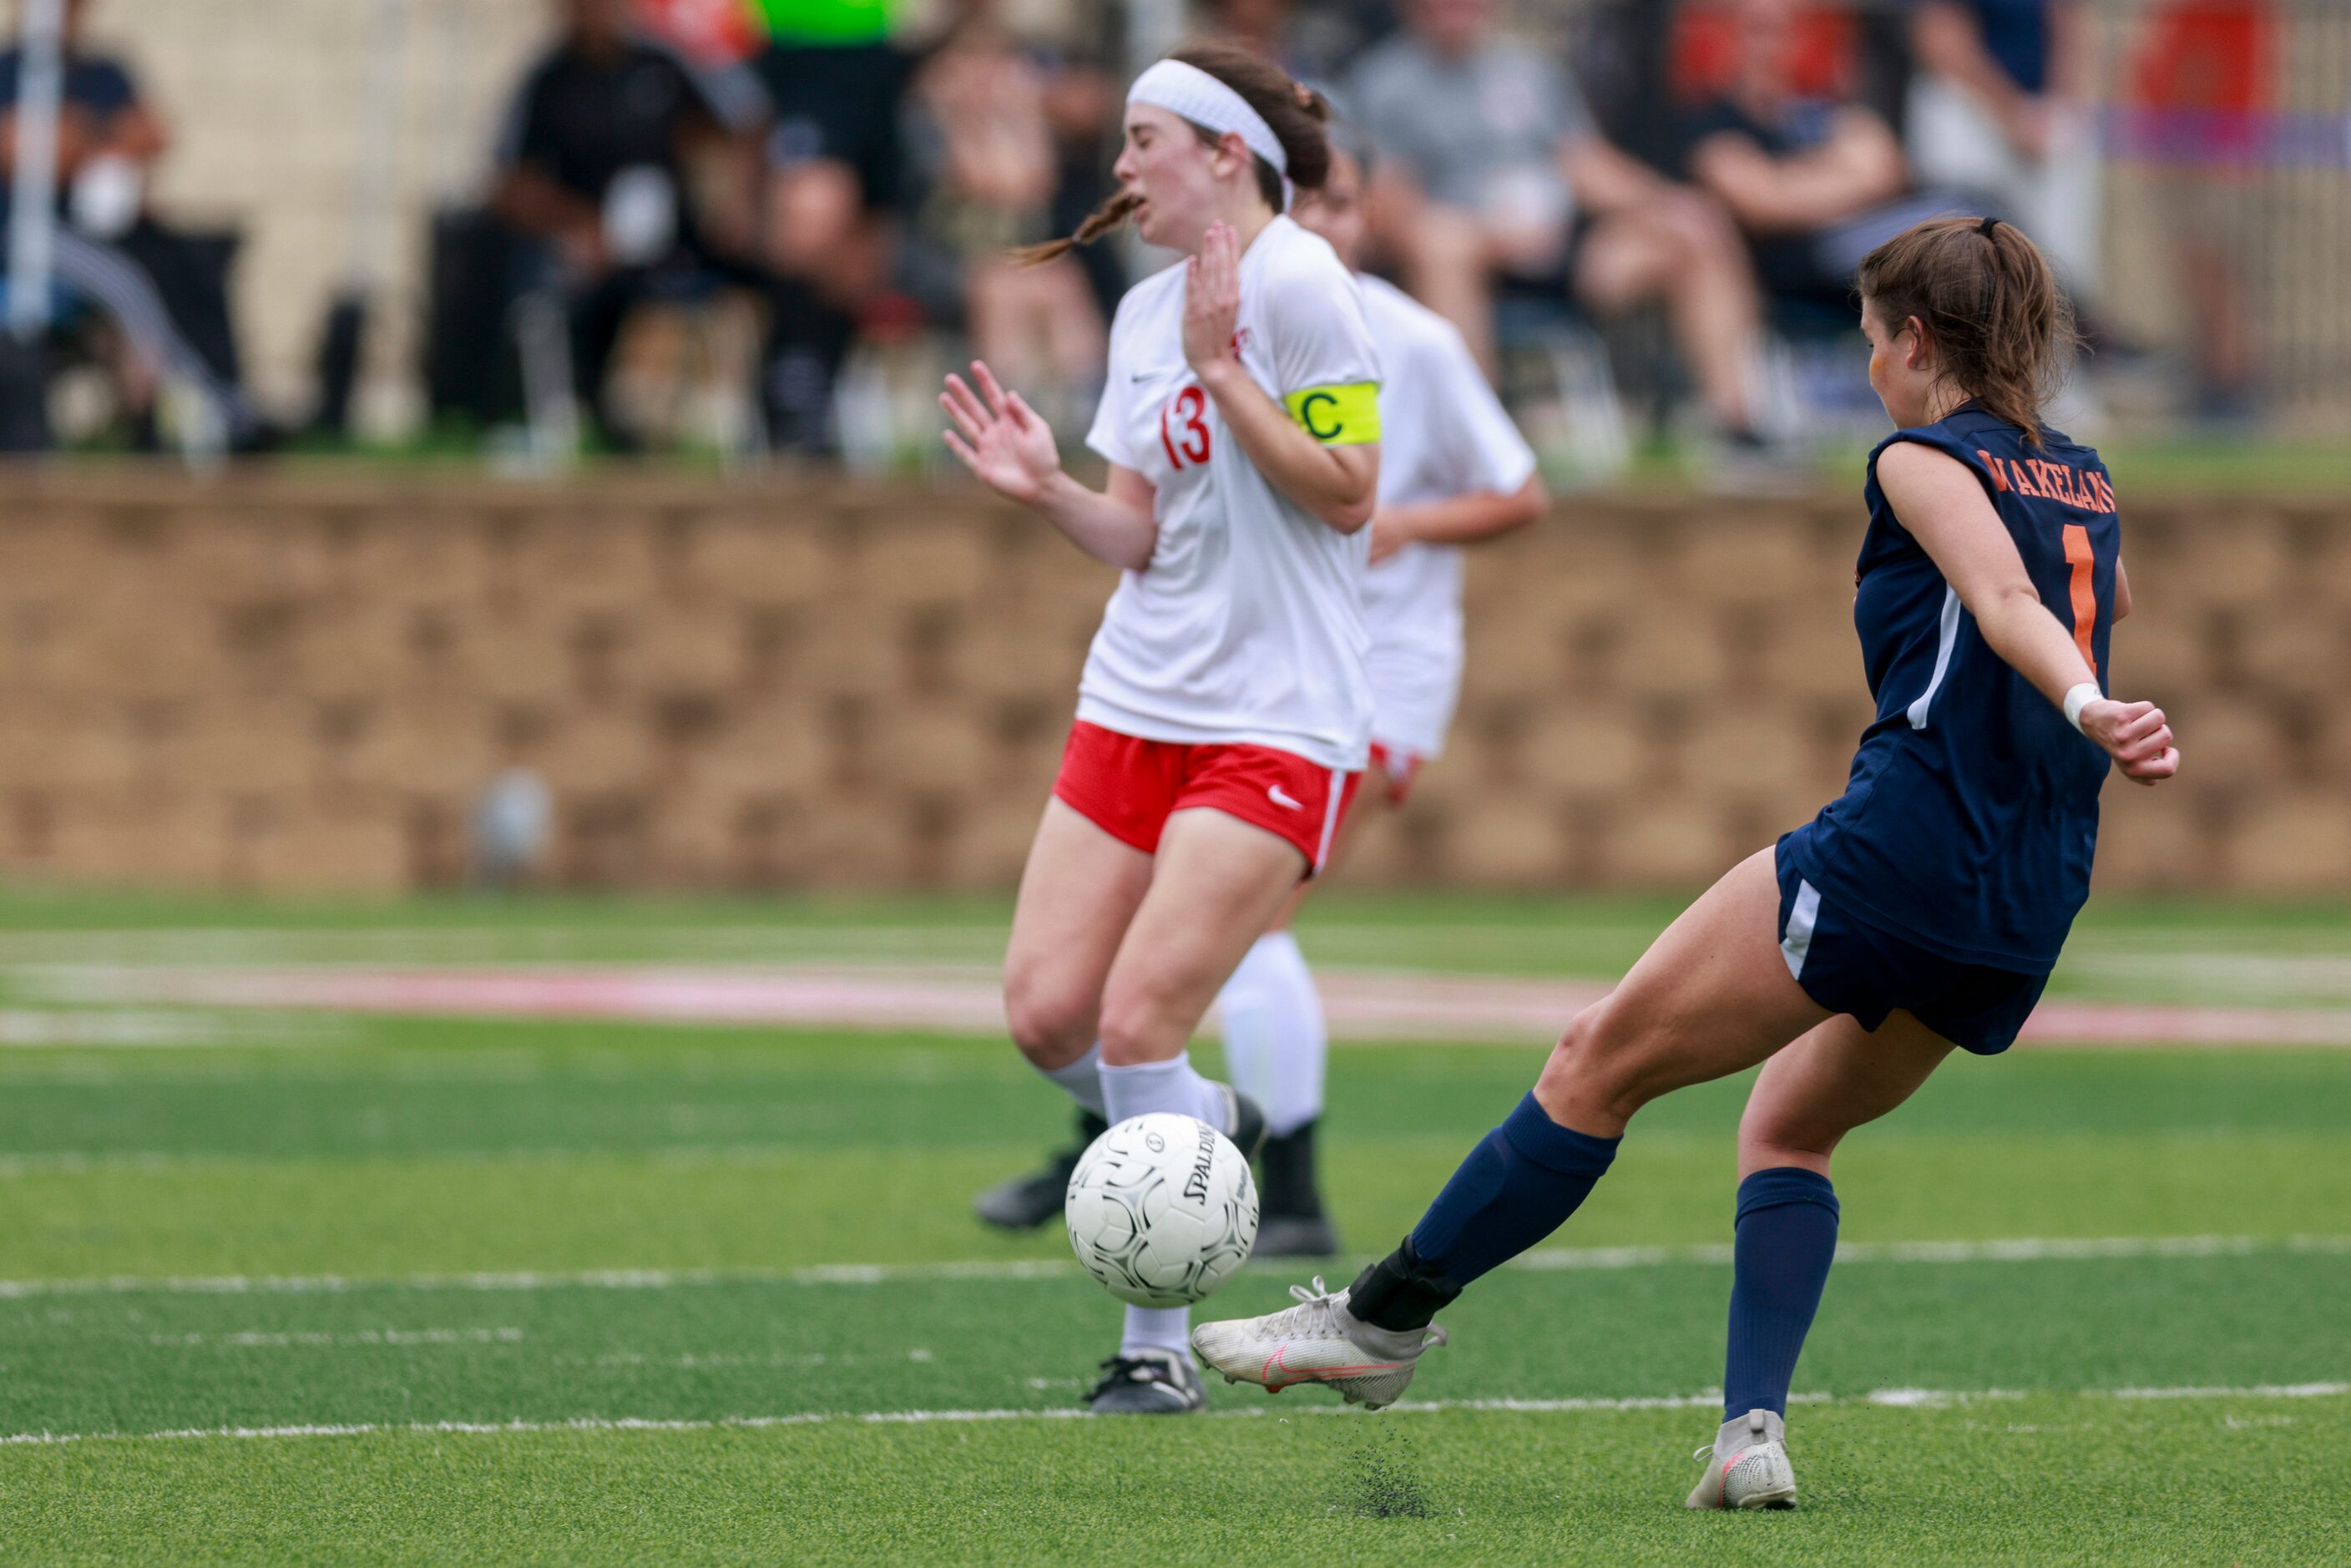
1518,1186
1786,1239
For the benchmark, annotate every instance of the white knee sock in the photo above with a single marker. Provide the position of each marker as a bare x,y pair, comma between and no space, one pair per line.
1138,1091
1082,1080
1171,1085
1275,1038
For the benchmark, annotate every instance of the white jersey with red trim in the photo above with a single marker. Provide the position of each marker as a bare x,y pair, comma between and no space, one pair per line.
1248,626
1445,434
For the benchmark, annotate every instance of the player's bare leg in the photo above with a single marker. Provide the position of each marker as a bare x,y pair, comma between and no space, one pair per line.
1807,1098
1079,891
1216,884
1712,996
1835,1077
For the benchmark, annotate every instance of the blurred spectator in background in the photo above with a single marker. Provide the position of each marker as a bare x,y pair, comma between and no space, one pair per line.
594,171
1815,183
990,126
2000,105
1314,43
2199,100
835,178
1491,169
165,290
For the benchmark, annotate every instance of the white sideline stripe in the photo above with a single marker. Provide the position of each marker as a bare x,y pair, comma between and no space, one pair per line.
46,1028
1900,1398
365,1338
2021,1250
2012,1251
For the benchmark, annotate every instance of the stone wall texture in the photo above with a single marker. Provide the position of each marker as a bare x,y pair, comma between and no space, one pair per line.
293,683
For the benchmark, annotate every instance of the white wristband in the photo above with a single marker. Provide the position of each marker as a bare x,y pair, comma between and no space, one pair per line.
2077,699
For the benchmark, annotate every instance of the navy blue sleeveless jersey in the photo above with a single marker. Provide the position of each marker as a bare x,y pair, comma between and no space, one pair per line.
1971,814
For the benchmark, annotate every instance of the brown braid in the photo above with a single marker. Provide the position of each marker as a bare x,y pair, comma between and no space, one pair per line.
1100,222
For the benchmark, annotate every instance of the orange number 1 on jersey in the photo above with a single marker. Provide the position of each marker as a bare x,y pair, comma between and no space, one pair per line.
2085,589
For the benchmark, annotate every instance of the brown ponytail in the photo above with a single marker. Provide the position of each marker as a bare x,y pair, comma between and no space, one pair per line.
2002,330
1295,112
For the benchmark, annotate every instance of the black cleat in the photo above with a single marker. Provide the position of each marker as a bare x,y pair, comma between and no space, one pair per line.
1244,1120
1293,1225
1296,1236
1026,1202
1156,1382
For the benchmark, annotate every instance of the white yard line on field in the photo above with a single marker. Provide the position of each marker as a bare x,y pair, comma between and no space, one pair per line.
147,1028
359,1339
472,944
1898,1398
79,1162
2019,1250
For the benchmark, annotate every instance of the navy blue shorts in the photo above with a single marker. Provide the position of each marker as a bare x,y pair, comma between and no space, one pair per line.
1851,967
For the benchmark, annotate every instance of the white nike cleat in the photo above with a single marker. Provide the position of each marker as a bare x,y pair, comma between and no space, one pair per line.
1317,1341
1747,1467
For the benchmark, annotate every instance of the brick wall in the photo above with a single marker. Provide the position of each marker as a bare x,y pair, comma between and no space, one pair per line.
291,684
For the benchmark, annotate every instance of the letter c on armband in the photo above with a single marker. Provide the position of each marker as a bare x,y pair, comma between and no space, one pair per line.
1338,416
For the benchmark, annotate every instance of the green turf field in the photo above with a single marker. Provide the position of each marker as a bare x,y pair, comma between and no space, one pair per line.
302,1287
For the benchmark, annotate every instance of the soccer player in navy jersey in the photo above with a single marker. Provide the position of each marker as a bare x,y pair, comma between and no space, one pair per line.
1921,910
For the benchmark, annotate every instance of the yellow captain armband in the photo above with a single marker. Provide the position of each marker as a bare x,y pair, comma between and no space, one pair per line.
1338,416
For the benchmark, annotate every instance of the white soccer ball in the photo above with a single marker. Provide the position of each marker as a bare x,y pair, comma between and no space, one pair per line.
1162,1209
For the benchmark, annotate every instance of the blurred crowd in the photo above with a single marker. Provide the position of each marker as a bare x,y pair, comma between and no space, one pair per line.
1709,172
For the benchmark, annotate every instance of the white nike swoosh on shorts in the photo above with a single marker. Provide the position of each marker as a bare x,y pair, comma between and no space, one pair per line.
1275,793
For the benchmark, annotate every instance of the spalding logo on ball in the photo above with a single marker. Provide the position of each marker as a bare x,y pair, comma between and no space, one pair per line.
1162,1209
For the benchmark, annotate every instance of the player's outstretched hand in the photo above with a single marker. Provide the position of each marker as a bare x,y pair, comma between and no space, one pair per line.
2136,734
1212,299
998,437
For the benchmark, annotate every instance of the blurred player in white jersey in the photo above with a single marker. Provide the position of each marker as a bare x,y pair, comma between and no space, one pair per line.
1225,713
1453,470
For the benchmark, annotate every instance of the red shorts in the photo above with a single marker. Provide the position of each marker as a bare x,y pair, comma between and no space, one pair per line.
1398,766
1129,788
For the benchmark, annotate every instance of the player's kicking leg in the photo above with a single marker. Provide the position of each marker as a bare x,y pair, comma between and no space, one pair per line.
1711,997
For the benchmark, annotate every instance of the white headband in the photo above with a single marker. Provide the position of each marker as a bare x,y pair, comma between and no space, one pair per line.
1193,93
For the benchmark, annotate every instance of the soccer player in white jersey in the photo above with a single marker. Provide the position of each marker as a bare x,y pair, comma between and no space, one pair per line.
1225,714
1453,470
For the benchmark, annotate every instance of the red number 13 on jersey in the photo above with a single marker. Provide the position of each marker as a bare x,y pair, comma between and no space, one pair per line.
1183,428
